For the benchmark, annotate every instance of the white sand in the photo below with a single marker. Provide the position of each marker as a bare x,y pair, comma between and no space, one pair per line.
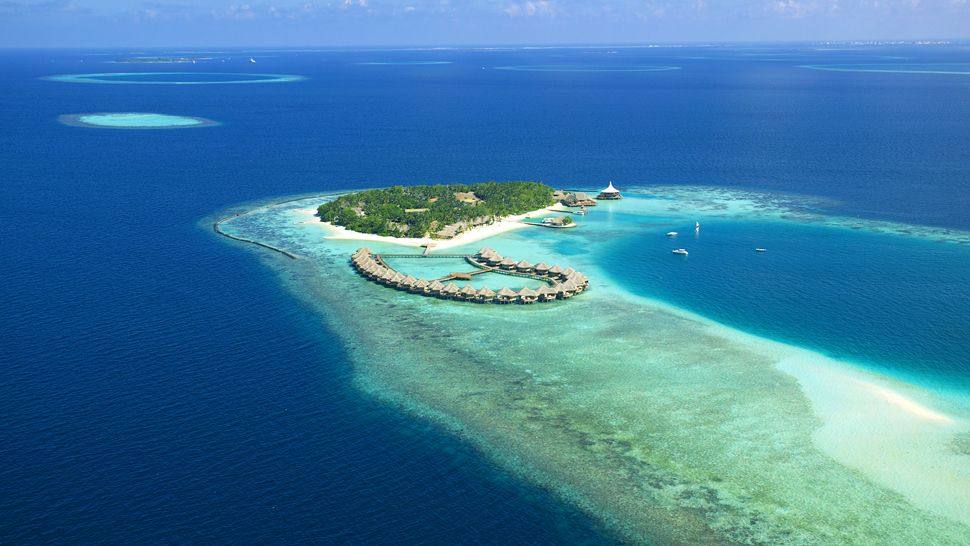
874,425
508,223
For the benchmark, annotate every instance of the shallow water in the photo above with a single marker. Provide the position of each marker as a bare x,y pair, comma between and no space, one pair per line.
664,425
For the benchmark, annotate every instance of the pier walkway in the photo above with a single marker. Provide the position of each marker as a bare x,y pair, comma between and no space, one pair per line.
559,283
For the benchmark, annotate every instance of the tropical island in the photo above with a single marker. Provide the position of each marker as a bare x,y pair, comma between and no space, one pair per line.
436,212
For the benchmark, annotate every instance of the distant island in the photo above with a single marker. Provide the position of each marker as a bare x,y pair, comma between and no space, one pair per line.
437,212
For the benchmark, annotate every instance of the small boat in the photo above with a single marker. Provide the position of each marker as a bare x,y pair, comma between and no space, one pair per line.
697,226
252,60
682,251
581,211
759,249
671,234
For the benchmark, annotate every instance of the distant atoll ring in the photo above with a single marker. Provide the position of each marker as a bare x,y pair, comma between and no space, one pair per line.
134,121
586,68
897,68
117,78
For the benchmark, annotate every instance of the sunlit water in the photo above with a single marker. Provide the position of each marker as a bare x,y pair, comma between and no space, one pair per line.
668,426
160,385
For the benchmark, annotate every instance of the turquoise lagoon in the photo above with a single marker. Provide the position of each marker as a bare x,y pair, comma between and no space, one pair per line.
134,120
815,393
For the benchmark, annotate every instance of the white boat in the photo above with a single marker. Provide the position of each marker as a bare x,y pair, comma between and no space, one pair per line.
682,251
759,249
671,234
252,60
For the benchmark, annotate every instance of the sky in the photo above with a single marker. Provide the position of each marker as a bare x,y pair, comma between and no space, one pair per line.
162,23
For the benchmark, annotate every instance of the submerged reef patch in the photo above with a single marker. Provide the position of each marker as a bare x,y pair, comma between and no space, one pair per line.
402,63
173,78
586,68
666,426
905,68
134,120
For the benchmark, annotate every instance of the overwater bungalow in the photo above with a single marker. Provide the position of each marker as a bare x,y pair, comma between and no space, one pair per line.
566,282
485,295
528,295
546,293
408,283
505,295
450,290
570,289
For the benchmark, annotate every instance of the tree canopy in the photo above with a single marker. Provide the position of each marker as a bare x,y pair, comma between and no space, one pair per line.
419,211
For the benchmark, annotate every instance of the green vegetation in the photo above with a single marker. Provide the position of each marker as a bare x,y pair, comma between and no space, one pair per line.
566,221
439,211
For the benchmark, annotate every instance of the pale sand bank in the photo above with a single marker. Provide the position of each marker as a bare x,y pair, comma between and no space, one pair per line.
479,233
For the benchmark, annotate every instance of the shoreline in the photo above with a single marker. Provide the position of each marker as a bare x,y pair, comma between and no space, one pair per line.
894,432
478,233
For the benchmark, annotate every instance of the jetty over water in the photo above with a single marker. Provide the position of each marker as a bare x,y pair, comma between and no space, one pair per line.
559,283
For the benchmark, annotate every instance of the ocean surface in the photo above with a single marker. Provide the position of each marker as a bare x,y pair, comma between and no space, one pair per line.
160,384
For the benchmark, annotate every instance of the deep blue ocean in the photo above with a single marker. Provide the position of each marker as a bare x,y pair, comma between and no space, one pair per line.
158,384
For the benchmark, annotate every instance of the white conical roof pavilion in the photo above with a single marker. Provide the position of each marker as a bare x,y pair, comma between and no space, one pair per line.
610,189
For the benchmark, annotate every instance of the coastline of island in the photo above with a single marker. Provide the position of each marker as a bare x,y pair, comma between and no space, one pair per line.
477,233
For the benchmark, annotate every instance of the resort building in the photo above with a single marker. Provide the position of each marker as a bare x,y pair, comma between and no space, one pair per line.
609,192
578,199
558,283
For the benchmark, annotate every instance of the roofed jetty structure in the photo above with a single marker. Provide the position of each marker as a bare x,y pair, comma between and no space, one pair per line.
560,284
609,193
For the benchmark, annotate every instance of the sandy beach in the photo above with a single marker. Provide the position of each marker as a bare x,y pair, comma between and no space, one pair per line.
479,233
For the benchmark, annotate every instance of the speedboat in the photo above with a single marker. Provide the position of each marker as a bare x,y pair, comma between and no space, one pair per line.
682,251
252,60
759,249
671,234
697,226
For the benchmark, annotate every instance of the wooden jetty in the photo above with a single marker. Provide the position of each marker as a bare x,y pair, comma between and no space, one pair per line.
559,284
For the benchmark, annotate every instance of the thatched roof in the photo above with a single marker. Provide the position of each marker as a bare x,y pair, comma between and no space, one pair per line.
420,283
570,285
545,290
555,269
487,292
507,261
450,288
523,265
468,290
506,292
568,271
541,266
396,277
528,292
435,285
409,280
485,251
